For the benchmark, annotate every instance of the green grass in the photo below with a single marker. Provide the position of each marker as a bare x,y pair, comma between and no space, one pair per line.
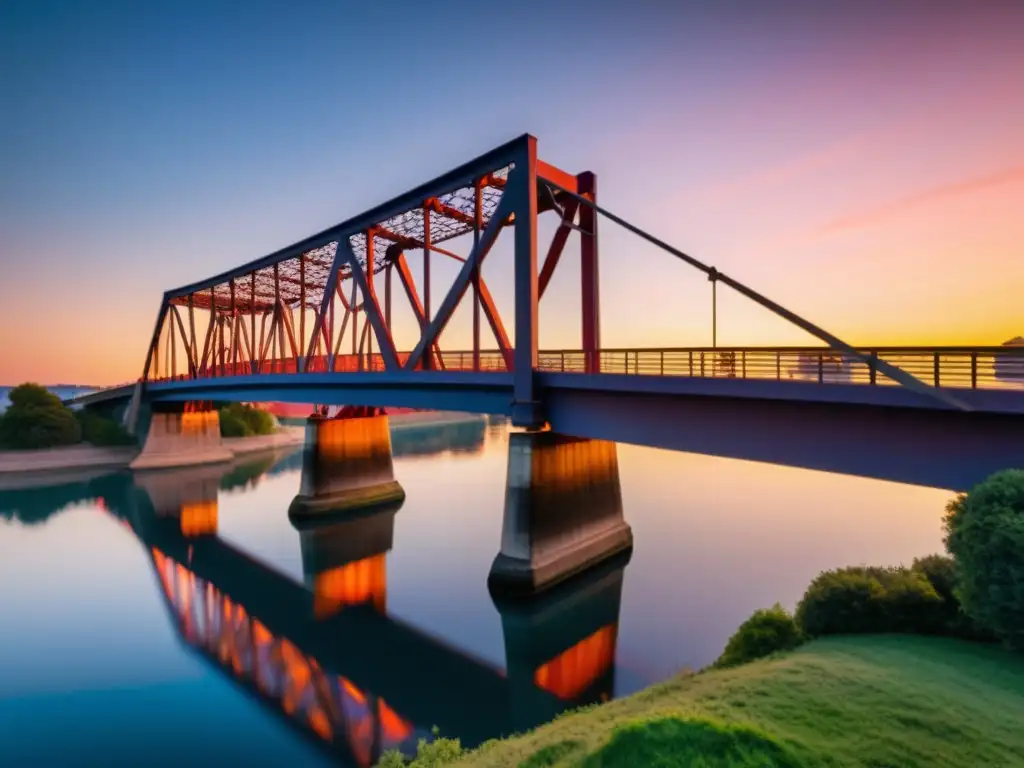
884,701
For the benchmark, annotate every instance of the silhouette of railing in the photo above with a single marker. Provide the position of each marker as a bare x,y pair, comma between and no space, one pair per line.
948,367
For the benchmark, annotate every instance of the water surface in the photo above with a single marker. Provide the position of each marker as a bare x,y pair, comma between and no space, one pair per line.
99,665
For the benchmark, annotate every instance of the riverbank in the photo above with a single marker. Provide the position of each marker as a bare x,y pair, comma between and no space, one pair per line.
51,466
55,466
885,700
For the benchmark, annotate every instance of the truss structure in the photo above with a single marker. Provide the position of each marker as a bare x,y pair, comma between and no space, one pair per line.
314,306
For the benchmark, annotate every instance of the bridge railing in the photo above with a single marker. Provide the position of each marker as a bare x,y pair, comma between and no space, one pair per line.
958,367
948,367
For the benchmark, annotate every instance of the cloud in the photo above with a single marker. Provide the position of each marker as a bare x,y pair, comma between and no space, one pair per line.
943,192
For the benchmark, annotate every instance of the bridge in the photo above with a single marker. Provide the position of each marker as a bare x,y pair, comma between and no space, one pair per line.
313,323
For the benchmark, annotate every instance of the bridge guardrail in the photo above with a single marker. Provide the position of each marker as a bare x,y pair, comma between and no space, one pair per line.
955,367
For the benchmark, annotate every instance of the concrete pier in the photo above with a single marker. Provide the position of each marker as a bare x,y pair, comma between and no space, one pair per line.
563,511
346,465
180,435
345,563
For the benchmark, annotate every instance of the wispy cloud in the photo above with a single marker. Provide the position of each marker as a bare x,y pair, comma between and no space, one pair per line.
943,192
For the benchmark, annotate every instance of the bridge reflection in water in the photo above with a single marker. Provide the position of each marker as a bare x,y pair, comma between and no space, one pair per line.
324,655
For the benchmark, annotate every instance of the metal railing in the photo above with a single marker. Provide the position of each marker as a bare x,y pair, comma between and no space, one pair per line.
947,367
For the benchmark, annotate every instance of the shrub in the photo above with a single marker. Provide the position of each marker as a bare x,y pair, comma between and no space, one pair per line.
233,425
860,600
767,631
985,535
102,431
240,420
36,419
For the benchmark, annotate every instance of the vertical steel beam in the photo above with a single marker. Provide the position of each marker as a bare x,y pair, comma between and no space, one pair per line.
371,257
300,362
590,284
252,321
387,297
428,361
234,328
478,223
193,350
172,350
522,185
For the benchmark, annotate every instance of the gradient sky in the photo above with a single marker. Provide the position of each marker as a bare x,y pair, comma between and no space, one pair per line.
863,166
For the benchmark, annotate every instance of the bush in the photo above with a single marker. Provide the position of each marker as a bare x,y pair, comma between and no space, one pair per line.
766,632
240,420
101,431
865,600
985,535
37,419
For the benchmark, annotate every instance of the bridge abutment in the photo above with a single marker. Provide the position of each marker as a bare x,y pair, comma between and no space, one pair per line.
180,435
346,465
563,511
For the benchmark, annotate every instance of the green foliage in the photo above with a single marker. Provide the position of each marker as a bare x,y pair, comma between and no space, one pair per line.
985,535
554,755
240,420
669,741
102,431
864,599
765,632
869,701
940,570
429,754
31,395
37,419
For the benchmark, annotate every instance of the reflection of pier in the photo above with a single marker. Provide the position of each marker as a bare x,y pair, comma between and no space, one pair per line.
325,656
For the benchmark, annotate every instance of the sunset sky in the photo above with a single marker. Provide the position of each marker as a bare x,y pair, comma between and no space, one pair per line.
863,167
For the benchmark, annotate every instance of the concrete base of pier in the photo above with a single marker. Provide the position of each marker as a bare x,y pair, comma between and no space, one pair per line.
563,512
346,465
181,436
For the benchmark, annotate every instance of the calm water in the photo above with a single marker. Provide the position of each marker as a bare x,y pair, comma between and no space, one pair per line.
125,641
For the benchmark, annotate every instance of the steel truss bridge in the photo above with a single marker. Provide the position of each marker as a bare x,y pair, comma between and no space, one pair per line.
313,323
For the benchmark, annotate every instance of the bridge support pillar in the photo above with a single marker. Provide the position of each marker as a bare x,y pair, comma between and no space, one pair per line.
346,465
344,563
180,435
563,511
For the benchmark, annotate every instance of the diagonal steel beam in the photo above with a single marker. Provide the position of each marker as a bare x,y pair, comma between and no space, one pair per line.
155,340
557,246
401,265
896,374
372,308
184,338
329,288
461,283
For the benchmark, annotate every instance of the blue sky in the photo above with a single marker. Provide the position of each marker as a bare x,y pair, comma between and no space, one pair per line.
147,145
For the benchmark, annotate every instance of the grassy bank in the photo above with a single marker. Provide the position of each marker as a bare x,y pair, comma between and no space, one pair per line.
872,701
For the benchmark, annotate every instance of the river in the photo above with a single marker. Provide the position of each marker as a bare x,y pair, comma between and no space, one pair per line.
104,659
